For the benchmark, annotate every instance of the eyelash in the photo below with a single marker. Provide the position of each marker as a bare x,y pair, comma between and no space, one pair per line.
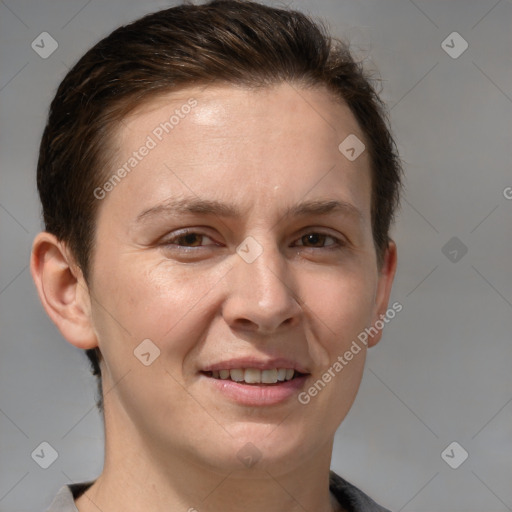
169,243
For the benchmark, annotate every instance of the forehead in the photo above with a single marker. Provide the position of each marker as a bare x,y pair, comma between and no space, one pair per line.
252,147
222,105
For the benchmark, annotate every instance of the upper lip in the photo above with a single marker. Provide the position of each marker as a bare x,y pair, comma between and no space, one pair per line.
256,362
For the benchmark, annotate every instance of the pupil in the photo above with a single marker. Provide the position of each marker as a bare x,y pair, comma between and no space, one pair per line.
190,237
314,238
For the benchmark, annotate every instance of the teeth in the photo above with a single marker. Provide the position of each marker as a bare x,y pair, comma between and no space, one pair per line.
269,376
254,375
237,375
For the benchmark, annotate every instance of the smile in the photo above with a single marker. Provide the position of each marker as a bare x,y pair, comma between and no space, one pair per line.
254,387
255,375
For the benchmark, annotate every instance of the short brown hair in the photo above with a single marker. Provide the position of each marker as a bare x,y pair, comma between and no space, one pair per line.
223,41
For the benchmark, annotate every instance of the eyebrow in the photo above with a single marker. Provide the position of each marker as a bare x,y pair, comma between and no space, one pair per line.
174,206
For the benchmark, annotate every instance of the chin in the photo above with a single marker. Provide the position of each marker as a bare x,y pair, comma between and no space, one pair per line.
265,446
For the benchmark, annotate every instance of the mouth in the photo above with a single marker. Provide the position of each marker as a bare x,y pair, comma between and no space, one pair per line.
255,380
255,376
255,387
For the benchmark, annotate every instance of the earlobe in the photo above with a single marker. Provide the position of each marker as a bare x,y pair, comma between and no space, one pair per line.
386,276
62,290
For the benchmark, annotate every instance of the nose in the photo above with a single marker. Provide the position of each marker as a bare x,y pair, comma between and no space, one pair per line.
262,295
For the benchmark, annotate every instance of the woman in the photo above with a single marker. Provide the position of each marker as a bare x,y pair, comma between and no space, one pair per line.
218,183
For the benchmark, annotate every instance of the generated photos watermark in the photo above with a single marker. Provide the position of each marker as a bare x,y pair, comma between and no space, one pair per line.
156,136
343,360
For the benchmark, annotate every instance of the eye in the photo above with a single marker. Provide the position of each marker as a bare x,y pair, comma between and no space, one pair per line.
318,241
186,239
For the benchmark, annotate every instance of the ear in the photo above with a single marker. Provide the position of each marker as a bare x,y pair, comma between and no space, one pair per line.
385,282
62,290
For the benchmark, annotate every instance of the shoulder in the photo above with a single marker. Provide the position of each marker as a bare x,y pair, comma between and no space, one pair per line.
350,497
64,500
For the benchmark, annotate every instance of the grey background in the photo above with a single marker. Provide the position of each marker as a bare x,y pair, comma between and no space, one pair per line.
442,370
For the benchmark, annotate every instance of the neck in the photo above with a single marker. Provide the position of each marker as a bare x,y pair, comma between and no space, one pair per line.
142,476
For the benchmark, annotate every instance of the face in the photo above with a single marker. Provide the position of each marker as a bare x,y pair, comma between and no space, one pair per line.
240,238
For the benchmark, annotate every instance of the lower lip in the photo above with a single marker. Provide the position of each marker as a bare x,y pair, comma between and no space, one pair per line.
258,395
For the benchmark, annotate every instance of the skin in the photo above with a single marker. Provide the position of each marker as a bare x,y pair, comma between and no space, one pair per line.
171,438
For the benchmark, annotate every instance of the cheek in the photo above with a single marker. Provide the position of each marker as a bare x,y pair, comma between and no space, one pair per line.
168,305
351,311
162,302
343,306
